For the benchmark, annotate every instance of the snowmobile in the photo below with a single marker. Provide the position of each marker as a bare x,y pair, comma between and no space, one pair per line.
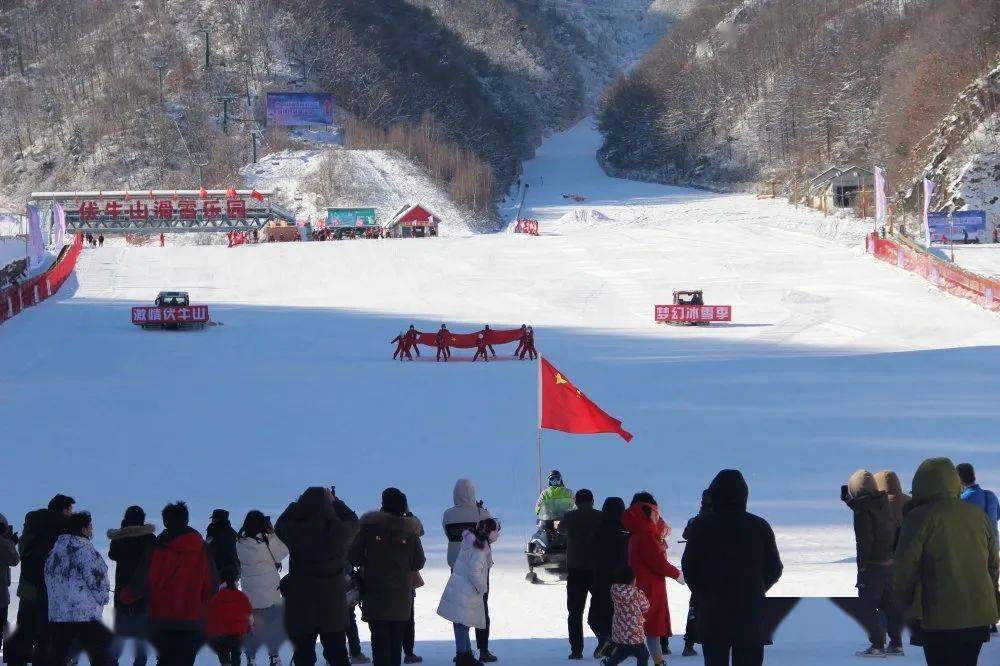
546,553
171,310
546,550
689,297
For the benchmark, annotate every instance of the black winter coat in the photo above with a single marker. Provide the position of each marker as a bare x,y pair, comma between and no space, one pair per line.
8,558
580,526
730,562
608,554
221,539
389,552
41,529
318,537
130,547
874,529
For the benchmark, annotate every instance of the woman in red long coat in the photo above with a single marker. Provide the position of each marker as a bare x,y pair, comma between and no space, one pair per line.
647,555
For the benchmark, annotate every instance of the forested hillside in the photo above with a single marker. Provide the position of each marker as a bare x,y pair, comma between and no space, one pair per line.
80,98
750,90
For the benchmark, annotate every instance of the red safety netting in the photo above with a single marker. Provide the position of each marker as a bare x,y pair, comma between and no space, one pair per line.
942,274
468,340
35,290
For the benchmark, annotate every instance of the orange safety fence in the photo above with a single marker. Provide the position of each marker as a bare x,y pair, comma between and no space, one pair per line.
942,274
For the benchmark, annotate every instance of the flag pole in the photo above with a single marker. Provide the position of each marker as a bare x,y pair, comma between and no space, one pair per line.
539,443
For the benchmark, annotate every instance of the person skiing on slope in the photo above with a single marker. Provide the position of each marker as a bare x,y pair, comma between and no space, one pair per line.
412,334
487,333
520,342
442,343
529,345
555,500
402,348
481,349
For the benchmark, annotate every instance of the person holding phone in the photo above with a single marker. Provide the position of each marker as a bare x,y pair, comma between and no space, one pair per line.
875,537
261,554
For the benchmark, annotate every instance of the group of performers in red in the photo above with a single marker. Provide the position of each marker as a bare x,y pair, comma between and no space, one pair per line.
443,340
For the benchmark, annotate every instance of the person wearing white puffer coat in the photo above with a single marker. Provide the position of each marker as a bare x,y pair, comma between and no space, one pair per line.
261,552
462,601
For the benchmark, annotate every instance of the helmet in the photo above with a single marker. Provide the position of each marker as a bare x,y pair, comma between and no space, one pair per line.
555,478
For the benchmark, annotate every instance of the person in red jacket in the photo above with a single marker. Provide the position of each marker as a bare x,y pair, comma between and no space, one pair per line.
520,342
442,343
402,348
412,334
176,580
487,334
528,344
228,619
481,349
647,555
163,240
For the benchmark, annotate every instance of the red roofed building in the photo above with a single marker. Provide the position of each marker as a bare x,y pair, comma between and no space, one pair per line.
412,221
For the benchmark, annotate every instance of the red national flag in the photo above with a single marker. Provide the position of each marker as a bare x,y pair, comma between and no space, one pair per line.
231,193
566,408
203,192
254,194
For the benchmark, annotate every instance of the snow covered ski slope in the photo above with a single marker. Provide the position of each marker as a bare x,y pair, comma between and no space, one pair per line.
834,362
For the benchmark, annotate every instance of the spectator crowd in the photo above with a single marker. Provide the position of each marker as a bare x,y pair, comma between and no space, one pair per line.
927,561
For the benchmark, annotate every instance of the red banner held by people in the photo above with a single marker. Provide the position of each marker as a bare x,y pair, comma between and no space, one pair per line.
468,340
564,407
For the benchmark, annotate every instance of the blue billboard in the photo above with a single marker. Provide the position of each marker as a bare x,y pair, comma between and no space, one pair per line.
966,226
295,108
353,218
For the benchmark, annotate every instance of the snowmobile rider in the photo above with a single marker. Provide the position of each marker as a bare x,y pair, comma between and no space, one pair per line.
556,500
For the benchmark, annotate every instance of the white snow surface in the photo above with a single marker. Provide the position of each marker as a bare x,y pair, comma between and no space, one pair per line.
11,249
833,362
982,259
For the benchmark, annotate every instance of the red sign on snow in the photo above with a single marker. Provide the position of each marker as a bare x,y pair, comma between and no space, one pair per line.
529,227
682,314
190,314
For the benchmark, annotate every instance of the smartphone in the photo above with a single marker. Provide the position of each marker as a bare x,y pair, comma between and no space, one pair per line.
844,496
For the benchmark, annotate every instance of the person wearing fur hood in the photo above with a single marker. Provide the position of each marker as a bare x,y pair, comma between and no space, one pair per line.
888,482
462,602
875,536
130,546
388,552
76,577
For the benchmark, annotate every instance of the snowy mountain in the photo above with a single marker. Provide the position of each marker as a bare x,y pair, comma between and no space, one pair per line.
744,91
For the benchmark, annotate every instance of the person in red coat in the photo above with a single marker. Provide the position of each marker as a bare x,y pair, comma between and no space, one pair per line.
442,343
481,349
402,348
411,339
227,620
528,344
647,555
520,341
177,579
